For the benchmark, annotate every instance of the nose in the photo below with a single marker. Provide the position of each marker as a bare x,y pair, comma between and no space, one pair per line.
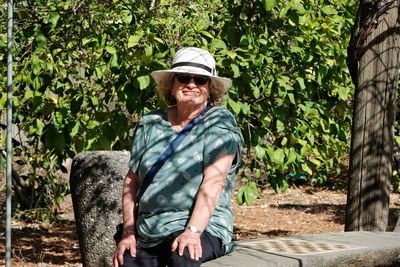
191,83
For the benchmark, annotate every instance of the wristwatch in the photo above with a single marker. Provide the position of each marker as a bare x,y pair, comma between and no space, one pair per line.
194,229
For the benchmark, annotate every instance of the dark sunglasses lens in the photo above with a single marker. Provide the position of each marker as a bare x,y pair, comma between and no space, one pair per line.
183,79
200,80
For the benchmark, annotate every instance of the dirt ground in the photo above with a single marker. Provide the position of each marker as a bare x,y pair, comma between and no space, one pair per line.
300,210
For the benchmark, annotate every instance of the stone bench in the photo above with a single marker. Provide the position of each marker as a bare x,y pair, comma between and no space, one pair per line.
96,185
366,249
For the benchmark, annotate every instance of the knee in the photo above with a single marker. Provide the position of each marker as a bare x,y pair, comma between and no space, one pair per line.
180,261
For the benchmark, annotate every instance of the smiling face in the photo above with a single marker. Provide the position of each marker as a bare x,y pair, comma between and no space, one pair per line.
190,89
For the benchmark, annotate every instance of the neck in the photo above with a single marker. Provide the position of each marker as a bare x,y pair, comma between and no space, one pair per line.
182,115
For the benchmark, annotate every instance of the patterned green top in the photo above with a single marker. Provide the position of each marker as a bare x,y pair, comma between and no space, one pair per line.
166,205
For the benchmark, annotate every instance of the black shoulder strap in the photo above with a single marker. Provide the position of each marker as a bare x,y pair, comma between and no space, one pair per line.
167,153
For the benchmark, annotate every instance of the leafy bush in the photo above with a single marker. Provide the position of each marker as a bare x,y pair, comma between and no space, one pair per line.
82,81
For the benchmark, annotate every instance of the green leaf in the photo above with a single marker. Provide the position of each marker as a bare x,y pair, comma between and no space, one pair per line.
299,8
280,126
218,44
270,4
236,71
39,126
2,163
104,143
111,50
344,93
54,17
251,193
256,92
114,61
240,198
148,51
300,81
306,168
93,124
260,152
126,16
231,54
55,140
40,40
75,128
94,101
284,185
291,157
99,72
315,161
76,104
3,99
291,98
329,10
235,106
86,41
144,81
133,40
278,157
59,117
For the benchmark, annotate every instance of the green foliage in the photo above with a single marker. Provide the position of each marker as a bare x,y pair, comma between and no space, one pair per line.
82,80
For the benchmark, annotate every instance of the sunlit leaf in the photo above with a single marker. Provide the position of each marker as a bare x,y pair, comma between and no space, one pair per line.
111,50
270,4
235,106
144,81
236,71
278,157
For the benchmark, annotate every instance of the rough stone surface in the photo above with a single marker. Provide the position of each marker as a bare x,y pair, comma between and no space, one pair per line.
96,186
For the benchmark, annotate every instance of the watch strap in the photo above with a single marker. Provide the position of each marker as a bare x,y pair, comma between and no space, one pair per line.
194,229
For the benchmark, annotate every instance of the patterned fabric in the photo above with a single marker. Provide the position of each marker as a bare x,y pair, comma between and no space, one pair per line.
166,205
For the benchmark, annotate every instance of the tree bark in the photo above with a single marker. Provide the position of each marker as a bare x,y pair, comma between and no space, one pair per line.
374,67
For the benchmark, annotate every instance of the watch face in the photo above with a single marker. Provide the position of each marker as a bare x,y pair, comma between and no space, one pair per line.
193,229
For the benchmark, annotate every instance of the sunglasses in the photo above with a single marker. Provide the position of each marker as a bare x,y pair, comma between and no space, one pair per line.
185,79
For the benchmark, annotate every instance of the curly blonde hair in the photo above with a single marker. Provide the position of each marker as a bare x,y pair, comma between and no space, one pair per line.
164,88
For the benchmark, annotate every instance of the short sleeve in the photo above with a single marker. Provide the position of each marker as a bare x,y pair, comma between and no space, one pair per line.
223,137
138,148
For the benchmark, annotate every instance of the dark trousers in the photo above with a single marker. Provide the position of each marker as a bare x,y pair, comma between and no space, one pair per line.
161,255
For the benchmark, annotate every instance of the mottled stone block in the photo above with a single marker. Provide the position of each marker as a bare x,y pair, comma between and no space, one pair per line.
96,189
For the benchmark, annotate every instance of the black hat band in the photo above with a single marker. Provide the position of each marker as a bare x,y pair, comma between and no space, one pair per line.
197,65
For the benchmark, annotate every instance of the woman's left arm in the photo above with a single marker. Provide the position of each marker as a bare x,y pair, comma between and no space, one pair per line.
207,199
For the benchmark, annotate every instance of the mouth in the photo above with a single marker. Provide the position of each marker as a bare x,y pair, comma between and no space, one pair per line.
190,92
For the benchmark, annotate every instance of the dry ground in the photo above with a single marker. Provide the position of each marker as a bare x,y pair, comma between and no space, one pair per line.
301,210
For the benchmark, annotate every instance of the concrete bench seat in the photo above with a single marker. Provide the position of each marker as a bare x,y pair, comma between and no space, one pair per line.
96,186
330,249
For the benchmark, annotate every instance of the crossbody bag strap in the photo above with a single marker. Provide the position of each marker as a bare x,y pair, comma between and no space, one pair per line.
167,153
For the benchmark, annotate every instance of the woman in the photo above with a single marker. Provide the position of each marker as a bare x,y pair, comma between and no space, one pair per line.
183,217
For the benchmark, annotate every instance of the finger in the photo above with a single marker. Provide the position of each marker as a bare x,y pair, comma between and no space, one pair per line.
181,248
120,256
115,261
174,246
192,251
199,252
132,250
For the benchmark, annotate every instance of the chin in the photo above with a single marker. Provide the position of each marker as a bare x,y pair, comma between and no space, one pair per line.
193,102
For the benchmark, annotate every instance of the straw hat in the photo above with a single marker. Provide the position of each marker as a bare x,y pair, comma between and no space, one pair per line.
194,61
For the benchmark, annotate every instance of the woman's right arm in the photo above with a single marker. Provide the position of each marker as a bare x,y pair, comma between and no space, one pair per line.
128,241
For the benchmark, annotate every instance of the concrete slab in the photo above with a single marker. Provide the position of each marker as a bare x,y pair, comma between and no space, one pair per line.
328,249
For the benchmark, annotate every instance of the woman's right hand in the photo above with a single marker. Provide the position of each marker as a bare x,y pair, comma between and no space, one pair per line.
127,242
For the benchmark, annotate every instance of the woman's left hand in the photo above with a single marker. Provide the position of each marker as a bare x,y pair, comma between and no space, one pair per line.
188,240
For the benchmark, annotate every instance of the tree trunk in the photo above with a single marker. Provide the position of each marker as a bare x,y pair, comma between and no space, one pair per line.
375,52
